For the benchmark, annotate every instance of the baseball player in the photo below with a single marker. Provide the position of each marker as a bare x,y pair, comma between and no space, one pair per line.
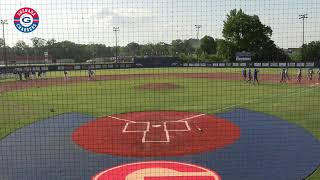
249,76
310,74
299,75
39,73
255,76
244,74
319,74
20,75
65,75
283,75
90,74
286,74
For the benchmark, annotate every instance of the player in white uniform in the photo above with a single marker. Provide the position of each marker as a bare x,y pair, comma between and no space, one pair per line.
310,74
299,75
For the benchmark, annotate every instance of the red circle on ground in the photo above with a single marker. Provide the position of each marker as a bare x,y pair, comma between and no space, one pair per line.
162,133
158,170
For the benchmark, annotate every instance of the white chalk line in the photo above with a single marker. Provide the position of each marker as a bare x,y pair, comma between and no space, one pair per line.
185,120
193,117
120,119
271,97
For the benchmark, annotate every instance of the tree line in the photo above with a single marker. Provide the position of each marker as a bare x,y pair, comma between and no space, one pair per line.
241,32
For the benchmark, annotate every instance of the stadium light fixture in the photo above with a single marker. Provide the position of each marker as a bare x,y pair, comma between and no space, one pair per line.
116,30
303,17
198,30
4,22
197,26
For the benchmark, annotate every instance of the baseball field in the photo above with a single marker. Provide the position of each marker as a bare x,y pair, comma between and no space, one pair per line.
200,90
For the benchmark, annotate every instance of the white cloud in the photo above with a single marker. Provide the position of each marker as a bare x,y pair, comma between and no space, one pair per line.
108,13
133,12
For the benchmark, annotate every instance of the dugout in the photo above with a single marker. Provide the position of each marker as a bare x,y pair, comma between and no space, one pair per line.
156,61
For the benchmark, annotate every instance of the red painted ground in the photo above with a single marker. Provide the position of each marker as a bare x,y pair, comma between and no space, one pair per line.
159,170
163,133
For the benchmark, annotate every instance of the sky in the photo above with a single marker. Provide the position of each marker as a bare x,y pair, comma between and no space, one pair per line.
152,21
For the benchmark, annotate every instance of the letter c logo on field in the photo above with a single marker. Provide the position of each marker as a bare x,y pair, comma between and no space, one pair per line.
158,170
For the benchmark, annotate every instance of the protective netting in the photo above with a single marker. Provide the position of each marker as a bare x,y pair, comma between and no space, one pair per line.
162,89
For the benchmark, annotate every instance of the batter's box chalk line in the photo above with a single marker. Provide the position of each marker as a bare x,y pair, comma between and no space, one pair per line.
148,130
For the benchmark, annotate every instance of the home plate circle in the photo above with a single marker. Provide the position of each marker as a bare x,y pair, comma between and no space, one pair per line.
158,170
156,133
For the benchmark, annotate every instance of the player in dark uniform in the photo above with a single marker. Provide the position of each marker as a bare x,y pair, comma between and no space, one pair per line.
20,75
90,73
286,74
33,74
319,74
26,74
255,76
244,74
65,75
39,73
299,75
249,76
283,75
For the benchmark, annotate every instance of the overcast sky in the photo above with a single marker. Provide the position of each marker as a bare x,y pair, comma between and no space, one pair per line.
150,21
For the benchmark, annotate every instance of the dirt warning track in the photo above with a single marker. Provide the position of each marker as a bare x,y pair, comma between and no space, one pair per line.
38,83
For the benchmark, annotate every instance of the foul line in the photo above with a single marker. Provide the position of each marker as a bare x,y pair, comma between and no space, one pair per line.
120,119
193,117
271,97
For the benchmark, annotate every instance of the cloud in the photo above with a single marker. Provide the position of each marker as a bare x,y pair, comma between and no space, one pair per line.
133,12
124,13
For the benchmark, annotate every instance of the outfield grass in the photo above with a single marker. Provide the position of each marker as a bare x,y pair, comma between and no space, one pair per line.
297,104
57,74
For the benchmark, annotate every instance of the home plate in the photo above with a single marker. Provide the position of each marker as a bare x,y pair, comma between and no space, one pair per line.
156,126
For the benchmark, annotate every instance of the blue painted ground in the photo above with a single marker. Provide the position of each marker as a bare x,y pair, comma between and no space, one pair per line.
269,148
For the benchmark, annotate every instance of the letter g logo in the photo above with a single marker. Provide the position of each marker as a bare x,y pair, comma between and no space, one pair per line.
26,20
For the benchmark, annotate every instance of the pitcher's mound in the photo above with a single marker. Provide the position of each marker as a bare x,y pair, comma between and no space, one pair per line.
158,86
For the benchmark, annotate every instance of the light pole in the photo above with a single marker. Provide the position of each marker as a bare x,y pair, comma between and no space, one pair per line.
116,30
4,22
198,33
303,17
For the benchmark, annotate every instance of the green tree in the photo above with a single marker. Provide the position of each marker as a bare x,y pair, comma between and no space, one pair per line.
208,45
191,45
133,48
147,49
21,48
38,45
247,33
1,42
38,42
311,51
225,49
177,47
162,49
